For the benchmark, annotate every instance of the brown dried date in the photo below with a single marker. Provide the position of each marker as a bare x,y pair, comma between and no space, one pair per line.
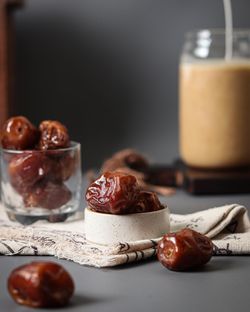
146,202
63,166
53,135
126,158
26,169
47,195
184,250
113,193
136,161
41,285
19,133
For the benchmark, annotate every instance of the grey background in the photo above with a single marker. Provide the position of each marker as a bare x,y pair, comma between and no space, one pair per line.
108,69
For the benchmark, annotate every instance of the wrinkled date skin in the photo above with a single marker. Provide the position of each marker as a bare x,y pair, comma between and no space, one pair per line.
184,250
146,202
19,133
26,169
63,166
113,193
53,135
48,195
41,285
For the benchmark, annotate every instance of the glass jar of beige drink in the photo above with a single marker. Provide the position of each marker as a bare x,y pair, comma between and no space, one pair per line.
214,112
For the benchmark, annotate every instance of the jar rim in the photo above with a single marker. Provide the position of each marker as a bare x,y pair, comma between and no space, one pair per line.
208,32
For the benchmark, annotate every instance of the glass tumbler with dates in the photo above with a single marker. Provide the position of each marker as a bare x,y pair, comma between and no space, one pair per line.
40,171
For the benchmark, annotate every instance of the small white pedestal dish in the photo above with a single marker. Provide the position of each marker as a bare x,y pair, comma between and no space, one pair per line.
107,229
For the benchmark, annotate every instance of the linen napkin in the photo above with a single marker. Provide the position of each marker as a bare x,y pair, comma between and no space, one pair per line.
228,226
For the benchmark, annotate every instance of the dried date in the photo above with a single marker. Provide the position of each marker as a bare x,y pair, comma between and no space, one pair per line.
184,250
26,169
47,195
41,285
146,202
63,166
18,133
54,135
113,193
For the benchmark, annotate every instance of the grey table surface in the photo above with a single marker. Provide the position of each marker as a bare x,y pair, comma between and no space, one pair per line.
223,285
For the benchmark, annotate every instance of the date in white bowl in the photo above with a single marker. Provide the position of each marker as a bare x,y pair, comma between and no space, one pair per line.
106,229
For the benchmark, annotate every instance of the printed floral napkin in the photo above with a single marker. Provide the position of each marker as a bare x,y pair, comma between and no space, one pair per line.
228,226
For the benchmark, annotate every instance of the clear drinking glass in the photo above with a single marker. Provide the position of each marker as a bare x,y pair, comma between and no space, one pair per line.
39,184
214,100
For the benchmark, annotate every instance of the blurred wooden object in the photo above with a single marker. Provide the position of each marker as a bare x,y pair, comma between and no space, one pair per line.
6,56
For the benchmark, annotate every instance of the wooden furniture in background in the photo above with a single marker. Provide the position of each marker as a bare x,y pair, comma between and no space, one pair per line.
6,56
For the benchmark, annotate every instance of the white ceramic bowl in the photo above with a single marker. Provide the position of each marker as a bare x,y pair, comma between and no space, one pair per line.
106,229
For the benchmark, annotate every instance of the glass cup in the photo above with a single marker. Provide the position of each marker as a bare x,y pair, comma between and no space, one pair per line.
214,100
39,184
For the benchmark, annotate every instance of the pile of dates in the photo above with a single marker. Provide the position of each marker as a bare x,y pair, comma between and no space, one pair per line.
119,193
38,169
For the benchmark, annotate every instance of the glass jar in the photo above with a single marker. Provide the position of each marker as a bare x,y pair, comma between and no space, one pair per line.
41,184
214,100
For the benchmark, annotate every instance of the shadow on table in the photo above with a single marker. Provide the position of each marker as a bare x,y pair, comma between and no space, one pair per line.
217,263
83,300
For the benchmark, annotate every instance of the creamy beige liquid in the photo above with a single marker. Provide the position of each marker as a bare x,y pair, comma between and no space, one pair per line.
215,113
